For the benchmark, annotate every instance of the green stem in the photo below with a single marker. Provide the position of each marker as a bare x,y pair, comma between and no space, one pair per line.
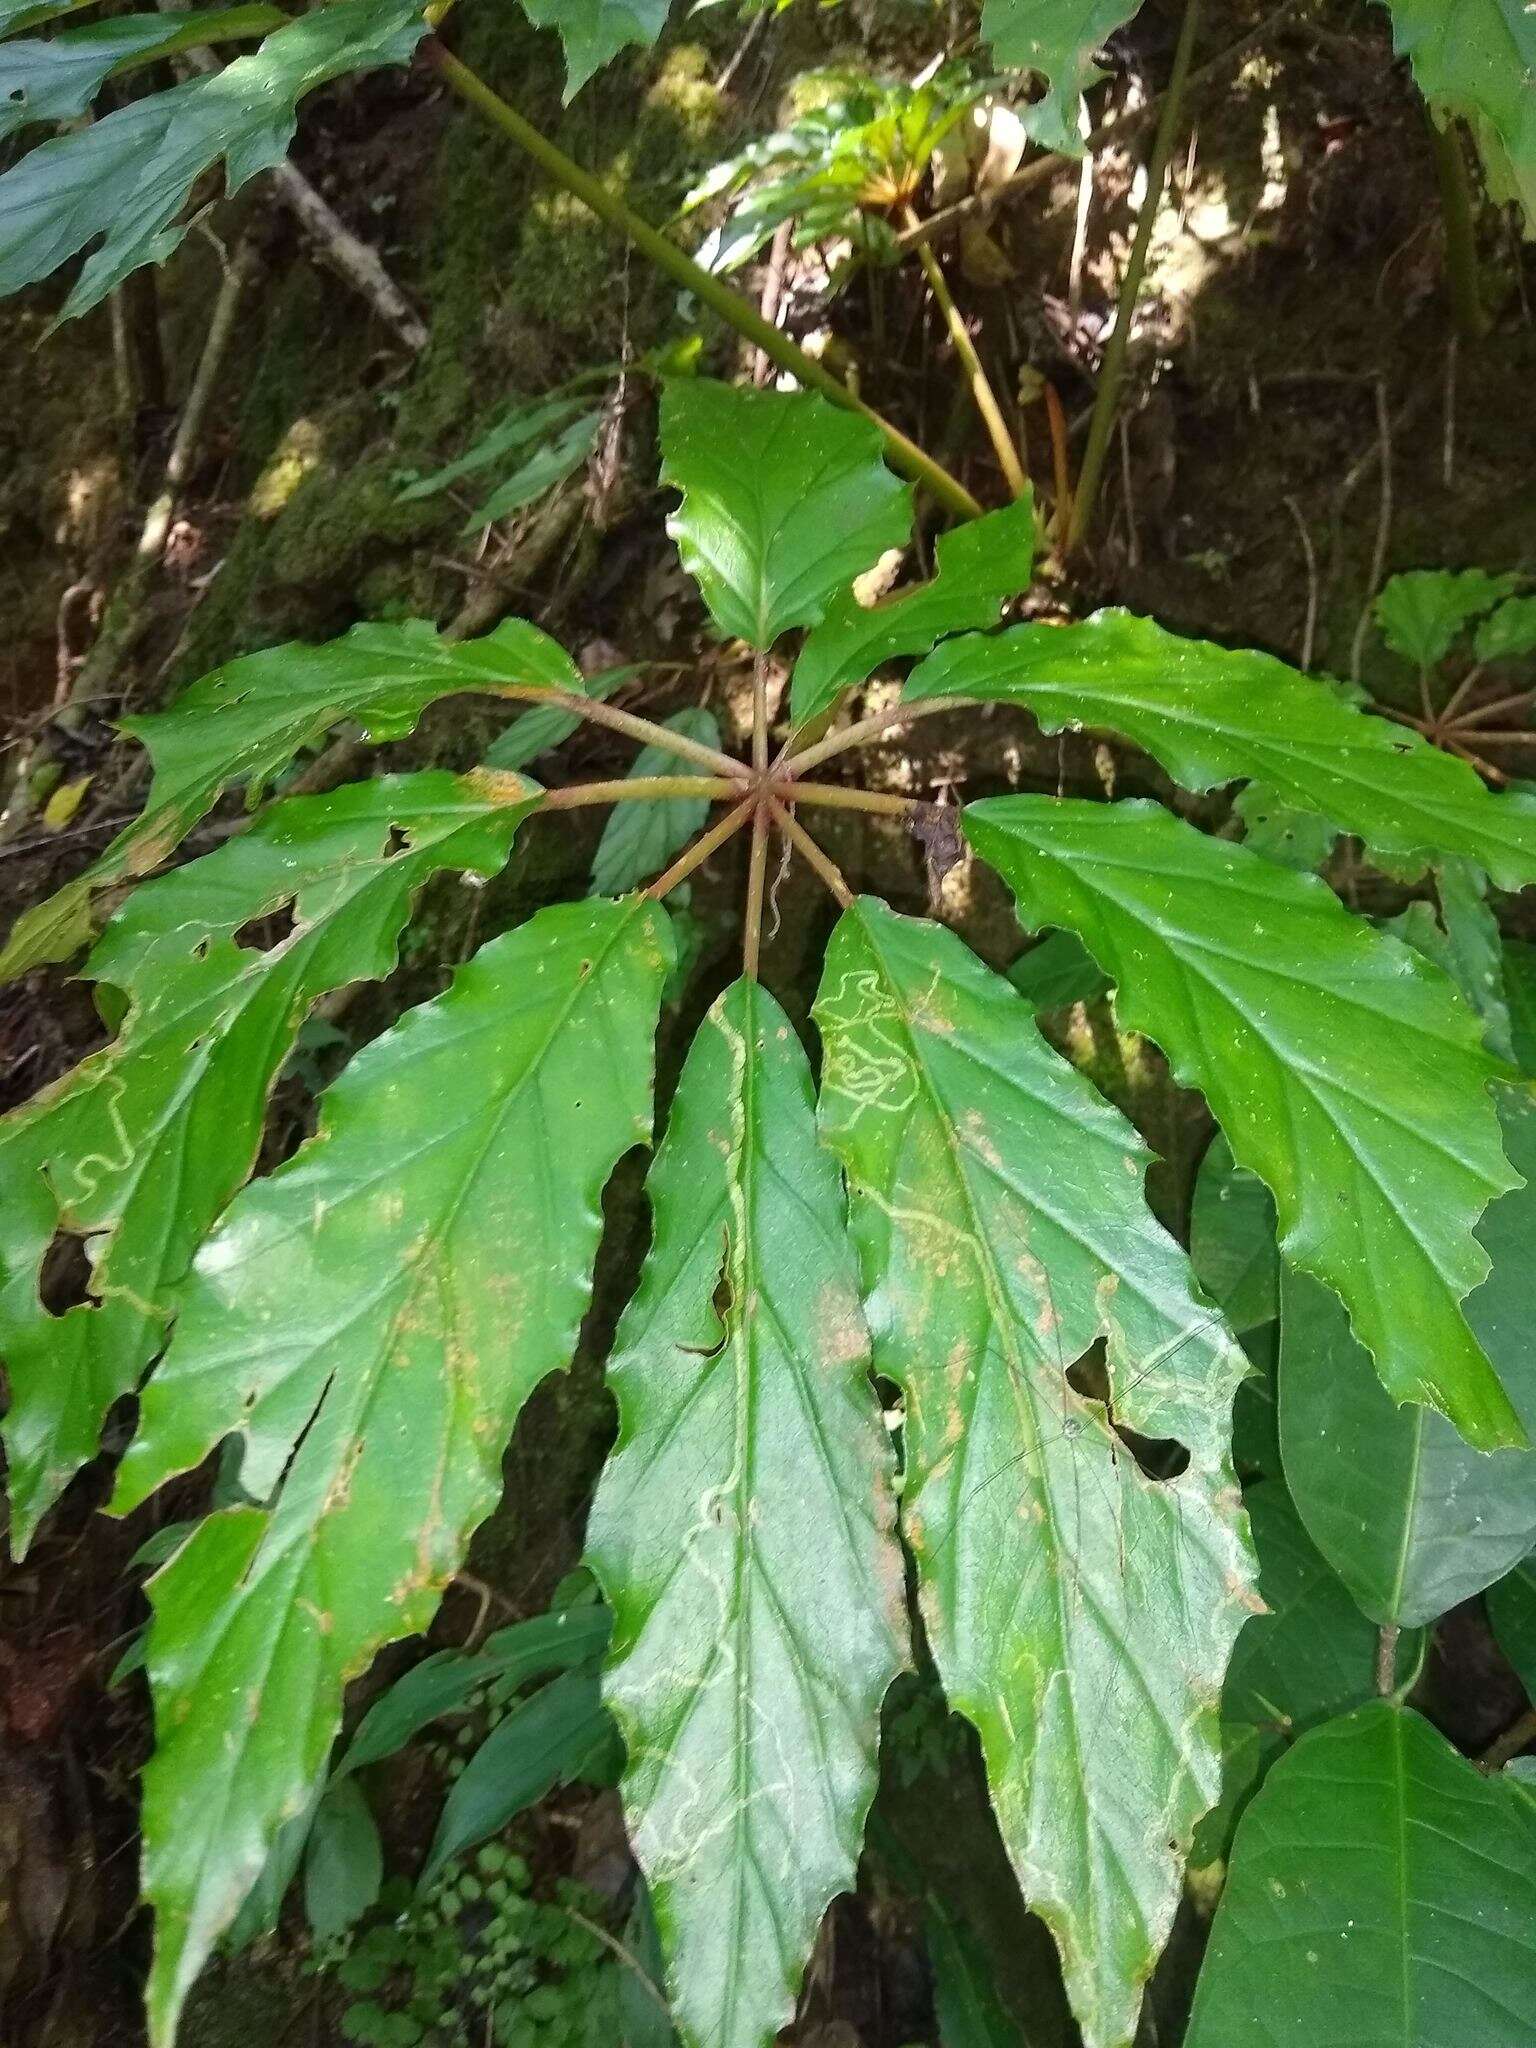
626,722
1106,403
735,310
1460,228
701,849
629,789
982,394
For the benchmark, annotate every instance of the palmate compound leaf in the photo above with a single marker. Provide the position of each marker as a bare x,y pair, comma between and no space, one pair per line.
977,568
366,1324
1382,1894
785,501
1212,715
136,1151
1080,1613
246,721
127,176
1341,1066
1057,39
744,1532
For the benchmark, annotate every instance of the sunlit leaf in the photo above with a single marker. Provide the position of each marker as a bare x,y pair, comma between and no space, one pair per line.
1382,1892
977,568
640,838
1057,39
246,721
1079,1611
56,79
785,501
1476,58
1212,715
744,1534
1409,1517
366,1325
135,1152
594,31
1342,1067
127,177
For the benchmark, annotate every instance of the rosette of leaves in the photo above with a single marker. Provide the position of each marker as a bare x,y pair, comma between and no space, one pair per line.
943,1203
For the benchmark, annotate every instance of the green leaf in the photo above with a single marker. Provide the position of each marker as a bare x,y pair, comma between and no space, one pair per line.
594,31
1421,613
1464,941
1057,39
1232,1239
135,1152
1296,839
1507,633
1212,715
977,568
1382,1892
1269,997
744,1533
1058,971
548,1739
366,1325
514,431
546,467
641,837
785,501
1080,1612
246,721
56,80
1410,1518
1520,996
128,176
546,726
1313,1655
446,1682
343,1863
1477,58
1512,1613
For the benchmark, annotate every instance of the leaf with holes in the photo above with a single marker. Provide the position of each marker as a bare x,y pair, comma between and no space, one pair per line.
744,1532
133,1154
1384,1891
977,568
785,501
1212,715
1269,997
1080,1612
365,1326
245,722
127,177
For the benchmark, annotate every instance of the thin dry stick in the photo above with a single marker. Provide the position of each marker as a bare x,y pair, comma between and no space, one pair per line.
796,836
626,722
1459,695
982,394
696,855
757,880
1383,527
831,796
1511,703
639,788
1309,630
870,728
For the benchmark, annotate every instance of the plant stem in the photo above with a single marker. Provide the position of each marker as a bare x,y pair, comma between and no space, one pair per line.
1460,228
984,397
696,855
642,788
870,728
814,857
1106,402
625,722
759,712
1510,1743
721,298
757,878
1386,1658
832,796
